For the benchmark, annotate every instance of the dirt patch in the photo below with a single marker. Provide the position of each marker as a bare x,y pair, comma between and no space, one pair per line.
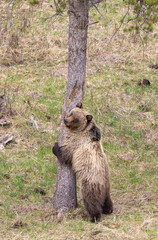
24,209
114,58
61,71
152,137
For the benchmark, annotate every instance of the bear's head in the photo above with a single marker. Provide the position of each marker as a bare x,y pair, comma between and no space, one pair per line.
78,119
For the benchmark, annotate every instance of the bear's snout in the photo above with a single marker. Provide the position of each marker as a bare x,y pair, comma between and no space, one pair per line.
65,121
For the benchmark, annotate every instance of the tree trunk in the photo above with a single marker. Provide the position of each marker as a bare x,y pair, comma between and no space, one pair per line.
65,195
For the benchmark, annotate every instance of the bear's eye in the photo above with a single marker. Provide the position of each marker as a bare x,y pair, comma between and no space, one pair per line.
75,120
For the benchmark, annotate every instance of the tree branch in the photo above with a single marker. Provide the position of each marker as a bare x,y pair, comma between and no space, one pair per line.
120,25
10,13
93,4
142,44
45,19
93,23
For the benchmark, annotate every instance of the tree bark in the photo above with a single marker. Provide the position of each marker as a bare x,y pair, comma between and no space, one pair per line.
65,197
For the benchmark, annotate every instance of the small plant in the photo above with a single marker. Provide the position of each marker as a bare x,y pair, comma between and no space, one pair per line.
33,2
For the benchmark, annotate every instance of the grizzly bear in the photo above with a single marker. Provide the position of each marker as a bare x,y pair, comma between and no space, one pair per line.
82,149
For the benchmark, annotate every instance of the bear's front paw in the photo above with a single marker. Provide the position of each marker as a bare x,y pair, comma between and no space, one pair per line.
55,149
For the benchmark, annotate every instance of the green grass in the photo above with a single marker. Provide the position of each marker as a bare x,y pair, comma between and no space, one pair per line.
126,113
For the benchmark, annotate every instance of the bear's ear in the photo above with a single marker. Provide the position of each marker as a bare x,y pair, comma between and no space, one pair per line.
89,118
79,105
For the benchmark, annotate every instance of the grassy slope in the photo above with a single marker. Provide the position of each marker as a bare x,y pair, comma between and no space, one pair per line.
126,113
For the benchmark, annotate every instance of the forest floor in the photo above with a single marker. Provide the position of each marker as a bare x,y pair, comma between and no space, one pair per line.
33,76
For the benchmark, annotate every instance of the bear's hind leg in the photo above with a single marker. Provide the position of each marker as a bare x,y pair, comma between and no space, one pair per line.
91,201
93,208
95,217
108,206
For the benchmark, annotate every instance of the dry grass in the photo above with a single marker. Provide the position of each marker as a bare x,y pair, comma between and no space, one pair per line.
33,74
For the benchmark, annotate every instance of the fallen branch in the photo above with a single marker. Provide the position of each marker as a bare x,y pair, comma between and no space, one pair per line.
4,140
34,122
4,122
9,139
3,104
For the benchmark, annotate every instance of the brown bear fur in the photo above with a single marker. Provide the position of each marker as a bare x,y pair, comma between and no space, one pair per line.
83,150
